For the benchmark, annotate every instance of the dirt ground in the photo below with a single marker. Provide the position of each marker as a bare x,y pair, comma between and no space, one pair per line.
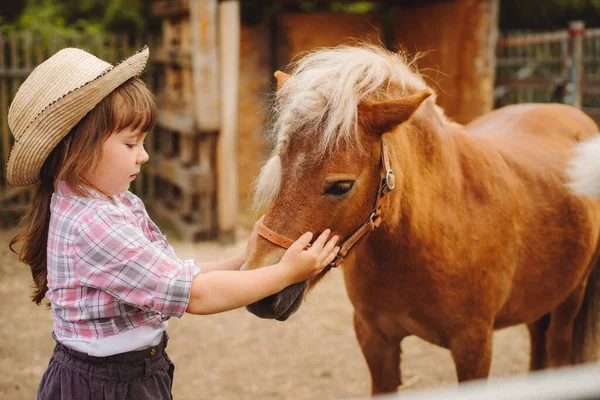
236,355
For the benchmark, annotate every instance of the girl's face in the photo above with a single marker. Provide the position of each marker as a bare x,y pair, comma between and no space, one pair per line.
122,155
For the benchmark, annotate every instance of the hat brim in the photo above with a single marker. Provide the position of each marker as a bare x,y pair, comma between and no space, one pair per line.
31,149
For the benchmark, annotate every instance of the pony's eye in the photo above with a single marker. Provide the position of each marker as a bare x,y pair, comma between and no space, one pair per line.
338,188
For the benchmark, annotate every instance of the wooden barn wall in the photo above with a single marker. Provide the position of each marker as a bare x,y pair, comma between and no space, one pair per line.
297,33
254,87
458,38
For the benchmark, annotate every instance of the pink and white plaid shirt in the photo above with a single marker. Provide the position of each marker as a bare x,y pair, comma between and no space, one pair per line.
109,267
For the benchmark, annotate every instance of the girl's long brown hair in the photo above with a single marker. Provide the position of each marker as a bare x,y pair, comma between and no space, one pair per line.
130,105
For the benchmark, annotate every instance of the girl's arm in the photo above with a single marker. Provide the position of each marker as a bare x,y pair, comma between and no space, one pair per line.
229,264
219,291
234,263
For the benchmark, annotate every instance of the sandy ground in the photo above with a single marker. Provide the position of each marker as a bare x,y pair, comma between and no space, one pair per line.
236,355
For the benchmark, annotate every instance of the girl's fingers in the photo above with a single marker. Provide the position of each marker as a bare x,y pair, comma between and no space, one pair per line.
330,257
318,244
302,242
329,247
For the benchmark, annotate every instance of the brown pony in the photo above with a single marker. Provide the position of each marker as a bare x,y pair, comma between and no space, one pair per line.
476,228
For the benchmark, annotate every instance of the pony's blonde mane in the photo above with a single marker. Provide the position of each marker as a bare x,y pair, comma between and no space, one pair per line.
321,98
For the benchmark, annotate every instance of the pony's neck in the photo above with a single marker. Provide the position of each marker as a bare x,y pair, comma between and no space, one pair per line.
429,157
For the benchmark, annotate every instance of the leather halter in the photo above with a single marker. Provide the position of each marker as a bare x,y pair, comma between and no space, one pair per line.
388,182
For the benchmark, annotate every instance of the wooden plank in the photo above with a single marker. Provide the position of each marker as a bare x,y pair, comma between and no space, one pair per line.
192,180
227,184
4,131
203,31
39,49
113,58
14,61
532,38
185,34
186,150
173,57
188,231
460,61
177,120
124,53
170,8
187,204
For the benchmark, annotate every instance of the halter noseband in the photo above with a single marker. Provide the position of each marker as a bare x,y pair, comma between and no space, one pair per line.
388,182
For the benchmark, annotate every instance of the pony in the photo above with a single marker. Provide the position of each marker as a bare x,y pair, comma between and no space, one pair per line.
452,231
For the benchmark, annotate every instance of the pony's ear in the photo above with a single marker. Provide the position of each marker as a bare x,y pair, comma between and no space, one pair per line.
384,116
281,77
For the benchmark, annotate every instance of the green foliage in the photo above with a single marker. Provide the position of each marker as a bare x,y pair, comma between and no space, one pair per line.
75,17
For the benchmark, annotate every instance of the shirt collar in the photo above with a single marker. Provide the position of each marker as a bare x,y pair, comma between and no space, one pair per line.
64,189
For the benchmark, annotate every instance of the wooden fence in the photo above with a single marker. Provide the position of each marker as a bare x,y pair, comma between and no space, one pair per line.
560,66
19,54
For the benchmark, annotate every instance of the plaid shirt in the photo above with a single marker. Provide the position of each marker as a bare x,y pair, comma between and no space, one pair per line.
109,267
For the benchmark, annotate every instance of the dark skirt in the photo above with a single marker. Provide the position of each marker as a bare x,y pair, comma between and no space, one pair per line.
140,375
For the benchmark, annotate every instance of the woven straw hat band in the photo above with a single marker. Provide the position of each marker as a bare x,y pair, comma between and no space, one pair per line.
53,99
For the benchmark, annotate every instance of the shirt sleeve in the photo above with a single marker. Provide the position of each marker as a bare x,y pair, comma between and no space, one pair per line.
113,254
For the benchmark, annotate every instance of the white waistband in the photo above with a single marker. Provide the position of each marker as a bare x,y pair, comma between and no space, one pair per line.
130,340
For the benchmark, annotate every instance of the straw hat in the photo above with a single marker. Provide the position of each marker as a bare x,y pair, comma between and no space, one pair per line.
53,99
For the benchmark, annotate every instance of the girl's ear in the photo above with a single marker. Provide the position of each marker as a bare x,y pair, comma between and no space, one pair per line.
281,77
384,116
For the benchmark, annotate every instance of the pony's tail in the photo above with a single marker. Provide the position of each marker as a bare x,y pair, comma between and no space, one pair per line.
584,171
586,330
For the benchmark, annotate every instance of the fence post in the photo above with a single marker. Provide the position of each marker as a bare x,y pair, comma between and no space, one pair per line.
227,178
573,93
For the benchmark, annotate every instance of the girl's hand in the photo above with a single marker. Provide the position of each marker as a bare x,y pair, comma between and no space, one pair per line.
304,264
253,238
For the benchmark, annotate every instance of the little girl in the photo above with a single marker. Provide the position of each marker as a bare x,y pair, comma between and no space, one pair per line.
111,278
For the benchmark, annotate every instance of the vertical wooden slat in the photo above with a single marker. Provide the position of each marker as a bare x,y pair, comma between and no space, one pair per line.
39,49
52,44
186,204
186,150
27,50
227,179
27,64
100,40
124,47
4,109
137,43
113,57
203,32
14,61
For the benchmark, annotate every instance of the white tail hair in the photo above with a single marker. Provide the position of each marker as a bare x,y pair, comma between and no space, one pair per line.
584,170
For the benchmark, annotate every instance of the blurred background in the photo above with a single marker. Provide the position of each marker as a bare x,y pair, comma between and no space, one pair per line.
211,67
212,64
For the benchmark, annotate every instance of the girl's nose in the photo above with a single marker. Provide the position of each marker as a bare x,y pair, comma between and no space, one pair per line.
143,156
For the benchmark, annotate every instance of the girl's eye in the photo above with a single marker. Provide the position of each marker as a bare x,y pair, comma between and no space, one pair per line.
339,188
131,145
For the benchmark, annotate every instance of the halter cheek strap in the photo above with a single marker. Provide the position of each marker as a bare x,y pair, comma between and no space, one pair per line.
388,182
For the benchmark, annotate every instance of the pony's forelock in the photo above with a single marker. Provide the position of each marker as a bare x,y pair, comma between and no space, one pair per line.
321,97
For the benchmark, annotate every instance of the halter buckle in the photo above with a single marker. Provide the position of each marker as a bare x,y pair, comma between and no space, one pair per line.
334,263
390,179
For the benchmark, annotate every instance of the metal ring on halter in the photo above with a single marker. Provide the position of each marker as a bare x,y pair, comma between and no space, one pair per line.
389,173
337,258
